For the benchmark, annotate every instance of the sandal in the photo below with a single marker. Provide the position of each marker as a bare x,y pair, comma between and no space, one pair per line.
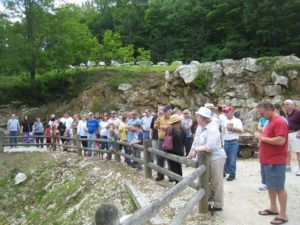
267,212
278,220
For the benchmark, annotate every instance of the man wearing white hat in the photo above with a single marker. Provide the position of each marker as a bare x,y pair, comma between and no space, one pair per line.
293,117
208,139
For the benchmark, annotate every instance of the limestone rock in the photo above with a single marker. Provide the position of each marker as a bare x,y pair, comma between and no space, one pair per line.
177,63
90,63
291,59
227,62
124,87
272,90
19,178
187,72
250,65
101,63
279,79
114,63
82,65
162,64
195,63
145,63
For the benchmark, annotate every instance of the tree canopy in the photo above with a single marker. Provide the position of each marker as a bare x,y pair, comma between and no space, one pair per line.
43,36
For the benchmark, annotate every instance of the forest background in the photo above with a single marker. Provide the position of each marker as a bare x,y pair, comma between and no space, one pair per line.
37,37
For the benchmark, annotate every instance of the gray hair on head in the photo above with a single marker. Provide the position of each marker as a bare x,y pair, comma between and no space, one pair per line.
107,214
266,105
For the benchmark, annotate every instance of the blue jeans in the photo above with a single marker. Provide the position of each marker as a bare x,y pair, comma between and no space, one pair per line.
13,138
188,144
231,149
91,143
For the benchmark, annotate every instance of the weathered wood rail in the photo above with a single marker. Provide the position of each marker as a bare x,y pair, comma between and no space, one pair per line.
200,174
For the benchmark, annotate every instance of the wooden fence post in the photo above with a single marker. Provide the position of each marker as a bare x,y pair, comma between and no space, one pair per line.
204,179
53,139
118,149
1,141
147,159
78,144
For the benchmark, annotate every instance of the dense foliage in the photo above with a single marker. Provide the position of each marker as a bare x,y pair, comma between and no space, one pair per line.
37,36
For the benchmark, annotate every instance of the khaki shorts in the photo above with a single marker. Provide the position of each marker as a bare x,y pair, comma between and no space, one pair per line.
294,142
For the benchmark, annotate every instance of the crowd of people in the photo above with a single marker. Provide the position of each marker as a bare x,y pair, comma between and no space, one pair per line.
218,135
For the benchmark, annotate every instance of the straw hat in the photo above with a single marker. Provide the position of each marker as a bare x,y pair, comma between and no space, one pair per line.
187,111
174,119
209,105
205,112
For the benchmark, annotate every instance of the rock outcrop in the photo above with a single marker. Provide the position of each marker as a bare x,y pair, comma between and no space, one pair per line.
240,83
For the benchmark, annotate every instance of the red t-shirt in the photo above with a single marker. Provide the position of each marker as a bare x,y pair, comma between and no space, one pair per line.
274,154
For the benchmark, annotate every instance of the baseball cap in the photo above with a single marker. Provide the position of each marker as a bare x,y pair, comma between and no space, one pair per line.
228,109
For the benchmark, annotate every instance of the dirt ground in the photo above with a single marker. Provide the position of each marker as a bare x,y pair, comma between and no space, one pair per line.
243,200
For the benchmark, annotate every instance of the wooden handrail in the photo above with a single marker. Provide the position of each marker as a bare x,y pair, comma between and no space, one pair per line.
144,214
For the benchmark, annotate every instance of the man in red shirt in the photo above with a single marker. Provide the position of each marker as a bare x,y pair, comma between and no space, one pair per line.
273,156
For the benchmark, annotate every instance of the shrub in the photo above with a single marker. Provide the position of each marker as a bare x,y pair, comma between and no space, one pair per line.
201,81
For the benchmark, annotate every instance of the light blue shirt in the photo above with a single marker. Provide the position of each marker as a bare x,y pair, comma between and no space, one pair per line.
146,123
130,133
13,125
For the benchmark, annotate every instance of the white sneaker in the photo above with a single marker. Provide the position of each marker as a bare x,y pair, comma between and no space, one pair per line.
263,187
298,172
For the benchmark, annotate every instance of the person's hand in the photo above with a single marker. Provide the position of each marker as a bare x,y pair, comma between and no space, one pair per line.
192,154
258,135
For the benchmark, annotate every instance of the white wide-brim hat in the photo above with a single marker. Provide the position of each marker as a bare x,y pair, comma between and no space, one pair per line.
205,112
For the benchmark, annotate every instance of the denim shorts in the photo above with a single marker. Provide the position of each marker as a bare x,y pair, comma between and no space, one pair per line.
274,176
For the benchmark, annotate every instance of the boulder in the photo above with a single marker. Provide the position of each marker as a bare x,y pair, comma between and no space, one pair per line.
250,65
177,63
82,65
227,62
234,70
272,90
90,63
162,64
19,178
284,60
279,79
145,63
71,67
195,62
187,72
124,87
101,63
114,63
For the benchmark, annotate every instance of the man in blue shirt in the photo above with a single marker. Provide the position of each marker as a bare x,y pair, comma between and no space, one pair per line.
92,127
13,127
131,129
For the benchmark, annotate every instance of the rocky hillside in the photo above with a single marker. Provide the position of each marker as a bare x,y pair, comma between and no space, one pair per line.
62,188
241,83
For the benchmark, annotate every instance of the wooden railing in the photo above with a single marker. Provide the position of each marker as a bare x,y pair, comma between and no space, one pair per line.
200,174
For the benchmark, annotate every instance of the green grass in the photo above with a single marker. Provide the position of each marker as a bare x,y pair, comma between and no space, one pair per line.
283,68
64,85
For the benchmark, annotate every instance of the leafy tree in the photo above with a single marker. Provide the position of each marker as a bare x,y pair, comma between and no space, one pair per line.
112,48
144,55
34,16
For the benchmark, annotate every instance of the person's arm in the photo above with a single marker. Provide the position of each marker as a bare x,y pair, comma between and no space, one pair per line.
278,140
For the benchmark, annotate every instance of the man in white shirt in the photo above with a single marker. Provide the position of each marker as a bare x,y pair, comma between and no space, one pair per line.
232,128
